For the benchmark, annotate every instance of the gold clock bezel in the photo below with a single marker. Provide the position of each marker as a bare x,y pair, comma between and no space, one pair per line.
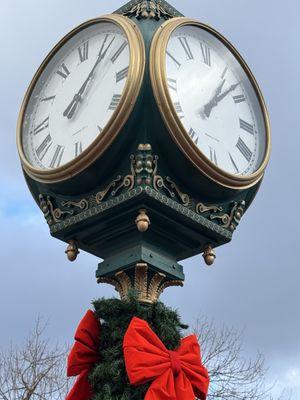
118,118
175,127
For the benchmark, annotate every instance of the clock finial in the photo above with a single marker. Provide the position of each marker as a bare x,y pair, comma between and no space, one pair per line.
149,9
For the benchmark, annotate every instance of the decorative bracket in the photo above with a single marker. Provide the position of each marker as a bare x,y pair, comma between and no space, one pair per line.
148,284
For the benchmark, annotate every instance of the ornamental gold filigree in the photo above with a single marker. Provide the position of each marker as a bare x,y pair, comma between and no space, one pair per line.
148,9
202,208
82,204
232,219
229,220
147,284
51,213
168,185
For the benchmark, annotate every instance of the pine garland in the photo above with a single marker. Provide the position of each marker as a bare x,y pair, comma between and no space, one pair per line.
109,378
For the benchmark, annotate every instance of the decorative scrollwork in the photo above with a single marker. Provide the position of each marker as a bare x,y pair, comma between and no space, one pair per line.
52,214
83,204
202,208
184,198
103,193
148,9
168,185
144,174
232,219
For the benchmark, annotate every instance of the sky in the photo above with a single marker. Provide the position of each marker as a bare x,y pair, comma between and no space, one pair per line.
254,284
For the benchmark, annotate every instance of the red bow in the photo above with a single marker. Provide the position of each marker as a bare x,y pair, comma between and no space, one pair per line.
84,353
176,375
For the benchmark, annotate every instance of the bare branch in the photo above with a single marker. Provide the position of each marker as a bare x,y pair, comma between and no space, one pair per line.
35,371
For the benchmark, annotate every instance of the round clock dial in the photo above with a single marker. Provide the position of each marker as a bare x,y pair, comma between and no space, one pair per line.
79,89
215,99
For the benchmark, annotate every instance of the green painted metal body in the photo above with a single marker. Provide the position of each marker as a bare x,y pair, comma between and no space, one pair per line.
98,207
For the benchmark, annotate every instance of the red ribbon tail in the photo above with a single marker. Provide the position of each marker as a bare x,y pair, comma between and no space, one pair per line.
82,389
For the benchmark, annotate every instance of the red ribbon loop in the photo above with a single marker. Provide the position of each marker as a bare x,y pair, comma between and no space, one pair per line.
175,375
84,353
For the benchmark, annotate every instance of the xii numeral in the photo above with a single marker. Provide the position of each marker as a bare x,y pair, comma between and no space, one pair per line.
206,54
63,71
122,74
115,102
83,52
186,47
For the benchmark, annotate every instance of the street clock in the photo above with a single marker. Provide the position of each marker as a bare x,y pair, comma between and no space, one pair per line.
143,138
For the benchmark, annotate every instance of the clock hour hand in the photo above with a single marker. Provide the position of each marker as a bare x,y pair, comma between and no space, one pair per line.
213,102
70,110
216,99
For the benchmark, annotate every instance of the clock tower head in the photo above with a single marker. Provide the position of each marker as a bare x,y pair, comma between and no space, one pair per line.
144,138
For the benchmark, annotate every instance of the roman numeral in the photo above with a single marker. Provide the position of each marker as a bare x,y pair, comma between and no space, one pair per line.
119,51
206,54
172,83
224,72
122,74
78,148
43,125
244,149
192,134
239,99
83,51
213,155
56,160
43,147
48,98
186,47
246,126
234,164
174,59
63,72
115,101
179,110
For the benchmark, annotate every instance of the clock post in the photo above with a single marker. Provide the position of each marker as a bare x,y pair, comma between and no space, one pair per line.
169,170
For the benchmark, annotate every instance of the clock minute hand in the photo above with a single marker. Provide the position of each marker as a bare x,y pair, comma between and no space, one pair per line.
70,110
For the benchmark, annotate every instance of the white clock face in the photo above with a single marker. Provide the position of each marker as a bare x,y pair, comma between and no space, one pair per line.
215,101
75,96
